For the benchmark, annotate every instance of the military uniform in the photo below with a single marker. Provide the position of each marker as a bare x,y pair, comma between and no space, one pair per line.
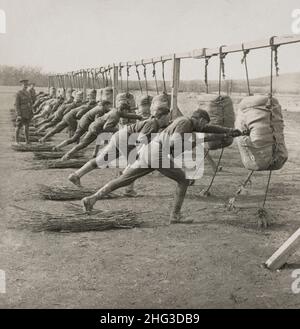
33,95
23,106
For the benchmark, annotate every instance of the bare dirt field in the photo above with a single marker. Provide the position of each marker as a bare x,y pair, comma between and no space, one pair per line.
214,263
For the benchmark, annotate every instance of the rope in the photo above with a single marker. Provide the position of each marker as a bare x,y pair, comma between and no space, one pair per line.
127,77
244,61
109,75
155,77
207,58
88,79
274,59
101,71
139,78
78,80
120,75
222,68
145,76
163,75
58,81
215,173
98,72
267,189
105,77
94,78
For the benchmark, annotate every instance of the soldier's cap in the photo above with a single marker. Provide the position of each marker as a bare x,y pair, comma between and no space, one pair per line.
199,113
145,101
161,110
24,80
69,90
93,92
108,89
79,94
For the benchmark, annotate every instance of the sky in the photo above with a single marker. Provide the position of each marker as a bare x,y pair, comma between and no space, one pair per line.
65,35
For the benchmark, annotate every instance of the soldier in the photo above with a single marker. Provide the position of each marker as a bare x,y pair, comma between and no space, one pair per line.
32,92
58,111
161,153
24,113
144,106
38,105
119,143
85,121
107,123
63,123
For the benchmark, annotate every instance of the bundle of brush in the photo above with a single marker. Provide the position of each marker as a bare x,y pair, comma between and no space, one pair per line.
38,134
54,155
34,147
64,193
74,220
32,139
59,164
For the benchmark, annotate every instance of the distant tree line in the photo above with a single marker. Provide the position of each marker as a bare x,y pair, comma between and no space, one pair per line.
10,75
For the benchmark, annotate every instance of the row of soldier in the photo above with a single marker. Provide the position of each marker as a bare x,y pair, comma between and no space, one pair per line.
87,119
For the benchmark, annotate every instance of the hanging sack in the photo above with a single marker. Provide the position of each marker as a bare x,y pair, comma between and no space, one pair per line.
221,112
264,148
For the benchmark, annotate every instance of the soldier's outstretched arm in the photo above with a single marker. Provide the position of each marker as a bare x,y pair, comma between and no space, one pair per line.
131,116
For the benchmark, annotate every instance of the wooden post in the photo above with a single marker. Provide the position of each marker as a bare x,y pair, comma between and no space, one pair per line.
175,112
280,257
115,83
84,83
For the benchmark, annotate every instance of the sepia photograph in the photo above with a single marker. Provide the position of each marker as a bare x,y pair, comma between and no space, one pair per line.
149,157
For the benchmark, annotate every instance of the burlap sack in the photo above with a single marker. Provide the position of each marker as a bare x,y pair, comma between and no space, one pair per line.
107,94
160,100
126,98
144,105
221,112
265,148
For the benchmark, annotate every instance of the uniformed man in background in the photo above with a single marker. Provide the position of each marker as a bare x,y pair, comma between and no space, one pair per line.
24,112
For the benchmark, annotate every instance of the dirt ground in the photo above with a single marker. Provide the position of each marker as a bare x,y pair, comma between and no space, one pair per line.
214,263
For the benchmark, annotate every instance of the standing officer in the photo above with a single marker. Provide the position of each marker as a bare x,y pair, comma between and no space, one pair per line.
24,113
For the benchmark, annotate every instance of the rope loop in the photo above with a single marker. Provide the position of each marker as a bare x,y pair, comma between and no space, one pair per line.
274,49
154,76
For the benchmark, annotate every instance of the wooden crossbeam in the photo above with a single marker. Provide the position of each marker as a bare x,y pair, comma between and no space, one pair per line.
202,52
280,257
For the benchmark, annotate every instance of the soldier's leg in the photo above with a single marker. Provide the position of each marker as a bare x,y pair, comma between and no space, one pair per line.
177,175
128,177
50,124
43,122
107,155
74,139
18,129
57,129
72,128
87,140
